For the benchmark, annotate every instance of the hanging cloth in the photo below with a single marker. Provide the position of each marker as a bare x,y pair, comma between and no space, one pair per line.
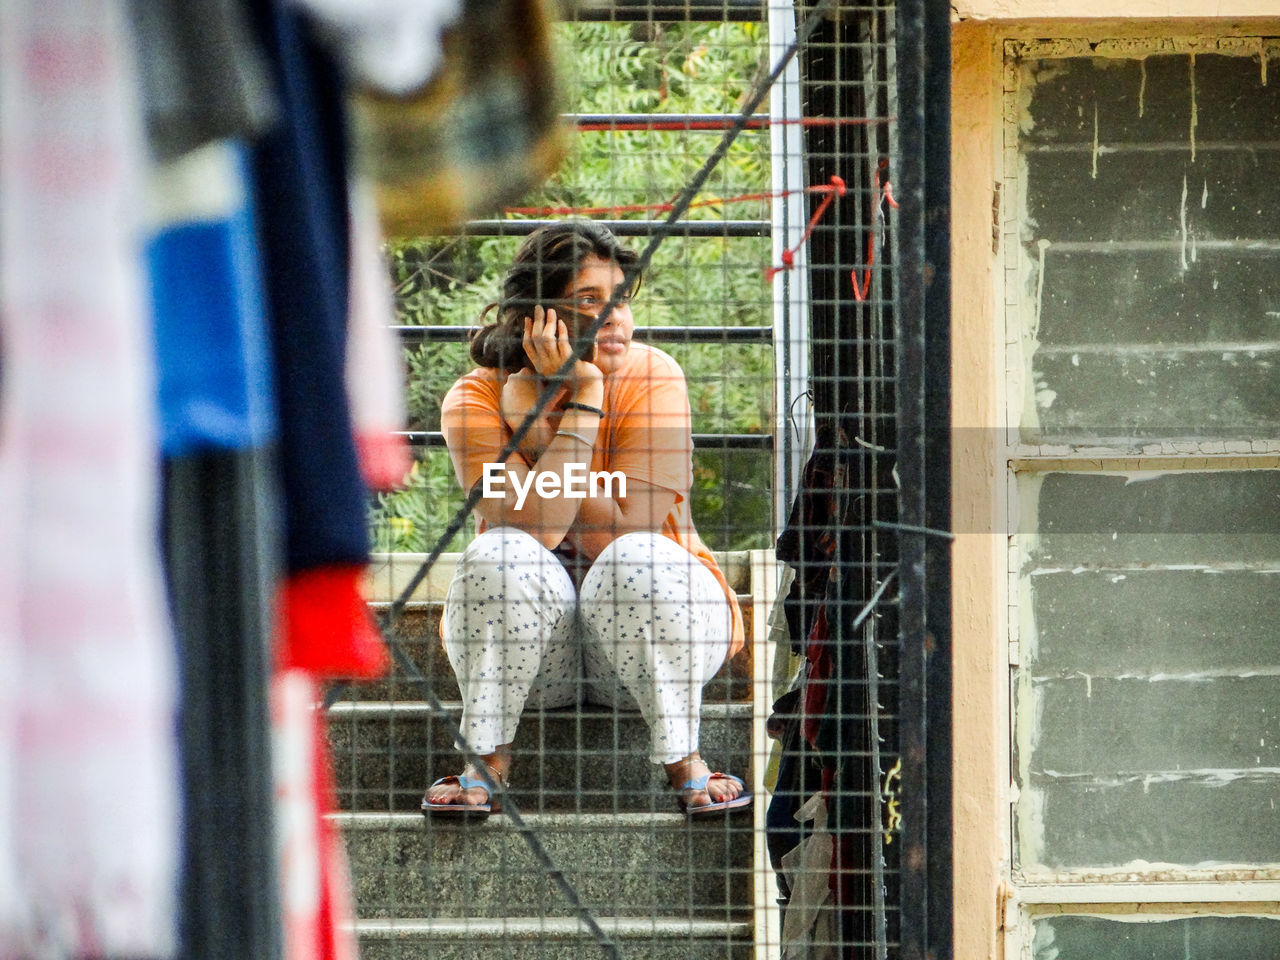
375,373
483,132
206,290
217,419
203,78
810,930
88,769
316,906
300,181
301,184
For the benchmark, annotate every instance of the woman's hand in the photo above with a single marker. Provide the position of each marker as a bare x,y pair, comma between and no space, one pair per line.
548,347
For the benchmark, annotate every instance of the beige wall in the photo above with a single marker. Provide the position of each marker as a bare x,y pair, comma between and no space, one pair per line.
980,743
981,710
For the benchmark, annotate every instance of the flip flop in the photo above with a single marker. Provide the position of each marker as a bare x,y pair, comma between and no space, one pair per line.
460,811
739,802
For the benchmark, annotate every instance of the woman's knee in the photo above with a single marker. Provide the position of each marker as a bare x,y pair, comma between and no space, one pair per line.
642,544
496,554
505,566
630,566
500,544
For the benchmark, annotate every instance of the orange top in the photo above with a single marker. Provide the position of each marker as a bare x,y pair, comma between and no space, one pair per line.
645,434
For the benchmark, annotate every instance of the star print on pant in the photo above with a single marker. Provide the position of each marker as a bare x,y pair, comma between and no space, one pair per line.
650,626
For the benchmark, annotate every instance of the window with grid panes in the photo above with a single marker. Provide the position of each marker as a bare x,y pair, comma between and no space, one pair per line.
1143,326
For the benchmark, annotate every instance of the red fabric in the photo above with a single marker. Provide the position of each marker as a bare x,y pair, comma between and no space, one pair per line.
325,625
384,459
315,880
335,941
820,671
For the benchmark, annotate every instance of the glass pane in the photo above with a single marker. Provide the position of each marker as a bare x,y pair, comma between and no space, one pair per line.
1149,248
1188,938
1148,698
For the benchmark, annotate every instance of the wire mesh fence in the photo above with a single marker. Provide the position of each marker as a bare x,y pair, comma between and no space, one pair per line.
746,156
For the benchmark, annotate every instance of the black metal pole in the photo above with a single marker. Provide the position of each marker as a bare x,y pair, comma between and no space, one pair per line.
911,177
438,333
701,441
937,413
628,228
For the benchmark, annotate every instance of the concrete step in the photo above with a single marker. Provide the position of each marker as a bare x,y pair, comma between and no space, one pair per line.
418,630
584,759
628,864
553,938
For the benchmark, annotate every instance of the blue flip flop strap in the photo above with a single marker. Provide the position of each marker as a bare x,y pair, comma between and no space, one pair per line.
465,782
701,782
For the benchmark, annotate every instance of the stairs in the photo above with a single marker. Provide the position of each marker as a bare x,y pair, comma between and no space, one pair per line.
662,887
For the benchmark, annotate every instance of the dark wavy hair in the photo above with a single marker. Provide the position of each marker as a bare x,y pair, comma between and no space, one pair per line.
541,272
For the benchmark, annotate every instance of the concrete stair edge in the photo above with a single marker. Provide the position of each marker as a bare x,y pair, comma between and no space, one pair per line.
549,928
420,709
351,821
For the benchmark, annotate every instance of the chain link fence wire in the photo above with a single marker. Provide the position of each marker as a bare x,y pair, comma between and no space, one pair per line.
679,149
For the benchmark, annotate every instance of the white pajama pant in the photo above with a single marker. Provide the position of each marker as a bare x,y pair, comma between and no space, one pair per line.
648,628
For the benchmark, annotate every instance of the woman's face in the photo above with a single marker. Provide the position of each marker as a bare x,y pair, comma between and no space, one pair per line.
588,293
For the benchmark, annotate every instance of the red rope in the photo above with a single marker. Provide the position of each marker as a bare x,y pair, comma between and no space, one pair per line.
882,194
834,189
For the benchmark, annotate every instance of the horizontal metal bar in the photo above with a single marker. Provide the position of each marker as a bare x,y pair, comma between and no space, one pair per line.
701,441
714,122
762,335
713,11
628,228
410,335
663,121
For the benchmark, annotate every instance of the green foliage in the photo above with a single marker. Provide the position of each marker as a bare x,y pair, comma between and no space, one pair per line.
413,518
660,68
624,68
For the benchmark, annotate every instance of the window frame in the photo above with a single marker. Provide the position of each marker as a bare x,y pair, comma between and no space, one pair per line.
1165,893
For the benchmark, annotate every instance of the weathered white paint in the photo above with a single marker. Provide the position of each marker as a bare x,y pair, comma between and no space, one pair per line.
1264,894
1100,9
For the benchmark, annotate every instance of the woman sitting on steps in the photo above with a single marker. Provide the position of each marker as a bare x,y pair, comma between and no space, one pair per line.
577,591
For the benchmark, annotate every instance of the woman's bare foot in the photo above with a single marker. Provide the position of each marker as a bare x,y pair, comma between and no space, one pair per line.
693,768
450,791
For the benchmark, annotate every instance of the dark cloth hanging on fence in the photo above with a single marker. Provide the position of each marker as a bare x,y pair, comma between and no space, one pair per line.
216,412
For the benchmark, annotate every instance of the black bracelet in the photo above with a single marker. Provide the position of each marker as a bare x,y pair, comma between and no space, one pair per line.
575,405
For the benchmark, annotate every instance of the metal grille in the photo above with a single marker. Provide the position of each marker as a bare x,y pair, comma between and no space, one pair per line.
789,291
